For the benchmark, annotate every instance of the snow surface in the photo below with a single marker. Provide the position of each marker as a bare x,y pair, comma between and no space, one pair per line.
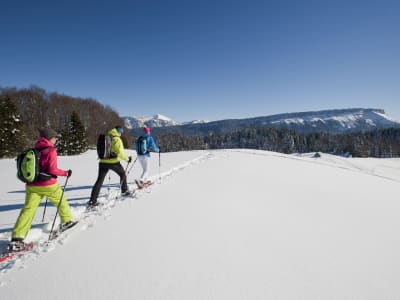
229,224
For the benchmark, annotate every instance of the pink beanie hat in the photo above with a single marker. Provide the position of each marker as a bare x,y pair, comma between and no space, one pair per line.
146,130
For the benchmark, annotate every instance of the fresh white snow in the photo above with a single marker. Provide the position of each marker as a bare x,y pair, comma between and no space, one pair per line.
229,224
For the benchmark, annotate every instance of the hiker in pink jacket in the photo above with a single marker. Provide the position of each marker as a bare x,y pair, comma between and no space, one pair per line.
47,186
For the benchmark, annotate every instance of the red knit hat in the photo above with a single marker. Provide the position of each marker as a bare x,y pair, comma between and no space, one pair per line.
146,130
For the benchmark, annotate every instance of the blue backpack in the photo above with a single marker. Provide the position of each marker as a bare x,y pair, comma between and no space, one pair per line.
141,146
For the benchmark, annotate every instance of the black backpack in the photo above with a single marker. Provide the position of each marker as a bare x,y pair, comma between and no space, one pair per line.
104,147
141,146
28,166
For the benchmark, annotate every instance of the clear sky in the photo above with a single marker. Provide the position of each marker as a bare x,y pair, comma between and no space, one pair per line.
207,59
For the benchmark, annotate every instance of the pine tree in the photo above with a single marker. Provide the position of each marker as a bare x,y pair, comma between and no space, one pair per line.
73,137
10,128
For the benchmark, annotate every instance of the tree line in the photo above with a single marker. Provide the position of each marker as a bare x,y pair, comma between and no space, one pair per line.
78,120
379,143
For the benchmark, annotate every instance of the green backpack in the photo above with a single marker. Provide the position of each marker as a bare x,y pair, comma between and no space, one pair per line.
28,166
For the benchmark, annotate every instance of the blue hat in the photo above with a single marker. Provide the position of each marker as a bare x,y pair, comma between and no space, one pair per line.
119,129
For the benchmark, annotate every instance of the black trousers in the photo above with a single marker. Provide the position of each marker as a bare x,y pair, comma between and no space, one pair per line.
103,170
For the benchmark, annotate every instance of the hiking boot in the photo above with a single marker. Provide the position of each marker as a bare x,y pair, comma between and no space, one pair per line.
67,225
127,194
92,204
16,246
139,183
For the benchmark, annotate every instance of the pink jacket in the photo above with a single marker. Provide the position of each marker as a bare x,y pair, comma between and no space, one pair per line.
48,162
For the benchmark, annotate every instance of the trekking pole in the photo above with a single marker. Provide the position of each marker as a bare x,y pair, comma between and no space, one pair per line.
126,178
159,164
44,212
126,169
130,169
58,207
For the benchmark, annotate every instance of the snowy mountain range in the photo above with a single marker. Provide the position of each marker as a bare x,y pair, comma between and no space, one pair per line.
333,121
157,120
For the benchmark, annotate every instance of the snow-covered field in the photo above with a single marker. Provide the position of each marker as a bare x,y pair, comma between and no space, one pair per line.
232,224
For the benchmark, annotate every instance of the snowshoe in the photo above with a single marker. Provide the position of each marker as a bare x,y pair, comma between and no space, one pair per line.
128,194
63,227
139,183
18,246
16,249
143,184
92,205
67,225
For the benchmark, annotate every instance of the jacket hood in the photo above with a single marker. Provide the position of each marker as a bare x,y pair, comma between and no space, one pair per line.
43,142
113,132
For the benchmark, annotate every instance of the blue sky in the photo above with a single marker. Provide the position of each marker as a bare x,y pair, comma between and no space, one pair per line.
207,59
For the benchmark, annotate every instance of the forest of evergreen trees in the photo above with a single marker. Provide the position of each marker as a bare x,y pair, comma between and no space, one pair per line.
379,143
80,121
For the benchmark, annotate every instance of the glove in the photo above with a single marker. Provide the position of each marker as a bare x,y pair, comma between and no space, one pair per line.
69,172
130,159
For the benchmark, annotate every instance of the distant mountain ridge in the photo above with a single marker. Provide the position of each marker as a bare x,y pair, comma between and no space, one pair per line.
332,121
157,120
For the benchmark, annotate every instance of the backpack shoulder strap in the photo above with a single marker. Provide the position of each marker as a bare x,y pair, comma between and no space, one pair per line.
44,148
40,150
